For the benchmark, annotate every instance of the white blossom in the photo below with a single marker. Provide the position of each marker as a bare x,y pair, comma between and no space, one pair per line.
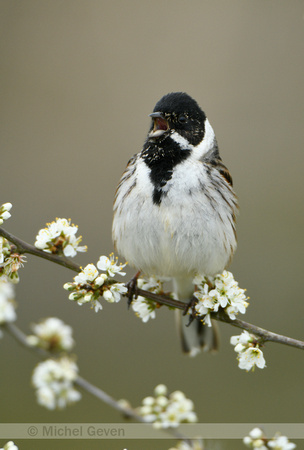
114,292
54,383
97,305
203,296
243,338
7,306
108,296
88,274
110,266
80,296
71,249
250,358
221,291
148,401
86,285
279,442
237,305
167,411
52,334
4,249
4,212
89,285
100,279
11,264
257,439
151,284
161,390
60,237
249,353
143,308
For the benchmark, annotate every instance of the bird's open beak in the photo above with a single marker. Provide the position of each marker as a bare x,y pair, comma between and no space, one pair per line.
160,125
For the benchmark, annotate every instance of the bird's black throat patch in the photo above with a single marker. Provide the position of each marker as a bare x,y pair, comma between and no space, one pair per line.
161,158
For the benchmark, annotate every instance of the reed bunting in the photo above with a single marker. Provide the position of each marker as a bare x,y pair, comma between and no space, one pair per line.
175,209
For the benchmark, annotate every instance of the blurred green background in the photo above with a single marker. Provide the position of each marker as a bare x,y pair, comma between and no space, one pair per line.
78,80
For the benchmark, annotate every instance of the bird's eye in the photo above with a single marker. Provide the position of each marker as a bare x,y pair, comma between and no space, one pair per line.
182,119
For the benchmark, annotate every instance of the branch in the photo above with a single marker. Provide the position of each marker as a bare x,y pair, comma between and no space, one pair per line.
24,247
222,317
161,299
20,337
265,335
261,332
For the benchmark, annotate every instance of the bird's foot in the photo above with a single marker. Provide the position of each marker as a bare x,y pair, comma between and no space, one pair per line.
132,288
190,308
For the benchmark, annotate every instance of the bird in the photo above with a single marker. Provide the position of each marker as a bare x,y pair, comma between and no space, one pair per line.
174,211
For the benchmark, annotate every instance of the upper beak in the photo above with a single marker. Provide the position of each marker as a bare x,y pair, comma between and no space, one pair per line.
160,124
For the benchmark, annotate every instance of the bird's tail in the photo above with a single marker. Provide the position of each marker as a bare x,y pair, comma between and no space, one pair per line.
197,336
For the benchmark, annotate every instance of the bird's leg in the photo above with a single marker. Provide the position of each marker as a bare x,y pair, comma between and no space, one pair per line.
132,288
190,305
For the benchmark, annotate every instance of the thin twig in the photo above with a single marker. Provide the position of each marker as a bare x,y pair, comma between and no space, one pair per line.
20,337
162,299
128,412
265,335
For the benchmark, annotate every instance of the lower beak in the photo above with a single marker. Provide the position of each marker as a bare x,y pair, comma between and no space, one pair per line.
160,125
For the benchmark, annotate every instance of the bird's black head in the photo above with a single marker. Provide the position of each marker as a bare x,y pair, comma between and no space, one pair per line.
180,113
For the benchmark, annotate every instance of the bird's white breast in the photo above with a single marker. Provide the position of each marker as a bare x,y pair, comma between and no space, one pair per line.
191,229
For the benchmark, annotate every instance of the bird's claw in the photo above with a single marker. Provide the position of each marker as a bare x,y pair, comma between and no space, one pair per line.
190,306
132,288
